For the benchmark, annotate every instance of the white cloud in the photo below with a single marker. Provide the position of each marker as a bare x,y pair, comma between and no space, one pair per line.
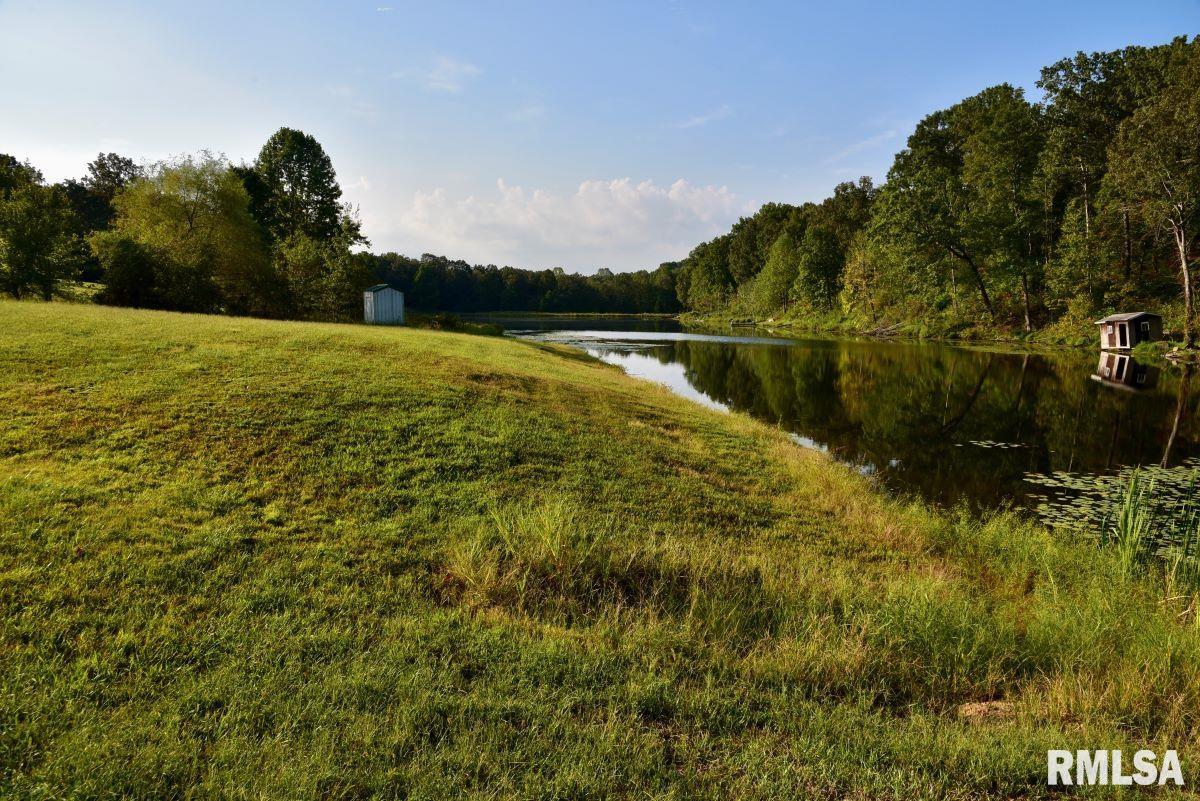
617,223
445,74
704,119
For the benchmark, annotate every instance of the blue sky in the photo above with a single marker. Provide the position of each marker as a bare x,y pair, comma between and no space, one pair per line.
579,135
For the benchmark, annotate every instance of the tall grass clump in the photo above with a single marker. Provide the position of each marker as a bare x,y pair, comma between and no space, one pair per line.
1130,531
1145,526
553,562
1182,556
1183,559
1146,523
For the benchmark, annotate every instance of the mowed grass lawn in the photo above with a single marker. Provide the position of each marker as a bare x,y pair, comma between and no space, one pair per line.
257,559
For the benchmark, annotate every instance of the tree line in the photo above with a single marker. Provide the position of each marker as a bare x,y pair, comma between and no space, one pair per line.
436,282
999,209
272,238
196,233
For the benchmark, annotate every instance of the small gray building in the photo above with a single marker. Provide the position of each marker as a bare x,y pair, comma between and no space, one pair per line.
1124,331
383,305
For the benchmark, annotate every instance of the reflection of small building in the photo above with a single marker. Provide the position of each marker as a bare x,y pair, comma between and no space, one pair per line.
1124,331
1124,372
383,305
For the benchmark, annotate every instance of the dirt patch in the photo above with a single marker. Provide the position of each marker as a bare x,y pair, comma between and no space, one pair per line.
987,711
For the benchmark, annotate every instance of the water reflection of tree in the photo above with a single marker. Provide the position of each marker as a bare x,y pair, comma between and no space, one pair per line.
948,422
1181,401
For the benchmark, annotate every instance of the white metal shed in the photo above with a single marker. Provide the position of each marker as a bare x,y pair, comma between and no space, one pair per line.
383,305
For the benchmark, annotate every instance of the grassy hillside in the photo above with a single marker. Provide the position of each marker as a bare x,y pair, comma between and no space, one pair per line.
269,560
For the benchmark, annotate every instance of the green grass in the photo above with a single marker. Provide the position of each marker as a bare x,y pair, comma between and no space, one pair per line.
284,560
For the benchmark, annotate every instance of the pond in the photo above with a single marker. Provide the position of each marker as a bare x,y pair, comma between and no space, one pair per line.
944,422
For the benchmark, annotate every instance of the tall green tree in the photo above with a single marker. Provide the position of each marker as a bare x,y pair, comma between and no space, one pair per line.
38,248
294,190
15,174
963,190
751,238
1154,162
1086,97
1004,216
92,196
704,282
927,204
848,209
772,288
819,262
91,201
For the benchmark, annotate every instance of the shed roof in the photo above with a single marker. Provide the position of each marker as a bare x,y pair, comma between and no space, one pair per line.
376,288
1125,317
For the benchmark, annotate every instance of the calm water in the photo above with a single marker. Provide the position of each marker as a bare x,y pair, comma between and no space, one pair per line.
947,423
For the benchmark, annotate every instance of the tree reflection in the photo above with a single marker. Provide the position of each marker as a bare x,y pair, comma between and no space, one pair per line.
948,423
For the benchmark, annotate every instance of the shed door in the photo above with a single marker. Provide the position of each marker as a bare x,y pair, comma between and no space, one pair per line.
1123,331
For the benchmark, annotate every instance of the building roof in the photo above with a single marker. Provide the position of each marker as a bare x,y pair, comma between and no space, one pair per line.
376,288
1125,317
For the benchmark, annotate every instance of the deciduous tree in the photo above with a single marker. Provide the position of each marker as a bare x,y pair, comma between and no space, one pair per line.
1155,163
38,249
294,189
193,215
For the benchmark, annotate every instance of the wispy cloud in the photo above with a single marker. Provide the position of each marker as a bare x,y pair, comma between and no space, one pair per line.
383,9
704,119
444,74
863,144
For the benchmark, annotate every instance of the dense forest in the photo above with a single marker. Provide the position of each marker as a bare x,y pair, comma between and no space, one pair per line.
1000,212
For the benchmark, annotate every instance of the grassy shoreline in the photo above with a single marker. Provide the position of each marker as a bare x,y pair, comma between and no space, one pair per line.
1063,334
1067,332
272,559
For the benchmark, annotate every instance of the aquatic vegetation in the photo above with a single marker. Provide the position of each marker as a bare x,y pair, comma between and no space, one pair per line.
988,443
1088,504
1154,513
